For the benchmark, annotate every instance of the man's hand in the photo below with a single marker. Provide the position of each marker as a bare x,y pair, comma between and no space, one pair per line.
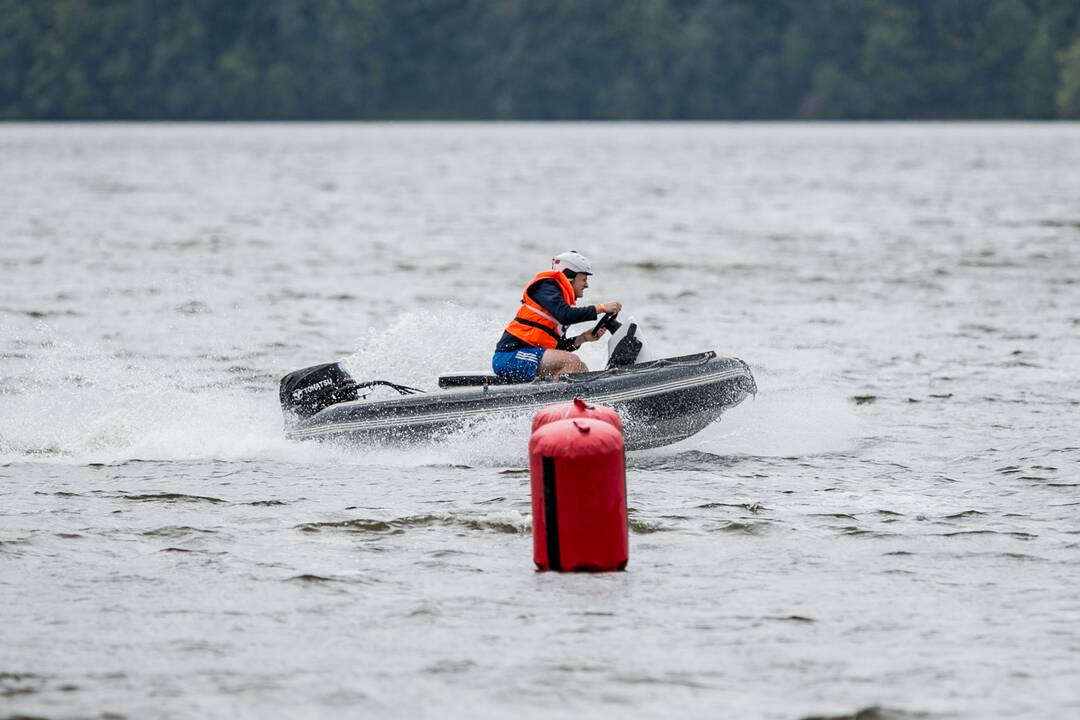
609,307
589,336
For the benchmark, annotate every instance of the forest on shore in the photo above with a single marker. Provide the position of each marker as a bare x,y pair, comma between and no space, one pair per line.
538,59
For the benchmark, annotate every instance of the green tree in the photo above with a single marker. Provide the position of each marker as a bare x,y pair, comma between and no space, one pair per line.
536,59
20,26
1068,94
713,64
890,61
1037,76
641,85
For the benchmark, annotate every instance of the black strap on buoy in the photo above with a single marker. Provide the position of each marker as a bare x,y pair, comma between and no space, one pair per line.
551,515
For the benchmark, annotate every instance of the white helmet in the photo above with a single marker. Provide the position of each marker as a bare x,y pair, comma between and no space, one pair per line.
572,260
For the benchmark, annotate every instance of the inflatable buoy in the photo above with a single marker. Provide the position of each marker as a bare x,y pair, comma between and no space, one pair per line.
577,473
576,409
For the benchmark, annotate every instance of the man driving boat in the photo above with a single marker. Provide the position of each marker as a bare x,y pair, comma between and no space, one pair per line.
535,343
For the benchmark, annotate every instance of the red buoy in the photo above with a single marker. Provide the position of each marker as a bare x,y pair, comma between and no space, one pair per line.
578,408
577,470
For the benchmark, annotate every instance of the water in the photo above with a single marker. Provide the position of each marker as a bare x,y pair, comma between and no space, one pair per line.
889,530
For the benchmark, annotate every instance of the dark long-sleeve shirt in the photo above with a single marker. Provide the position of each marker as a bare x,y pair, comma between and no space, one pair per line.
548,295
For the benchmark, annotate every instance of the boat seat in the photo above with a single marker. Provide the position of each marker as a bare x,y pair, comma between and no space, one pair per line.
473,379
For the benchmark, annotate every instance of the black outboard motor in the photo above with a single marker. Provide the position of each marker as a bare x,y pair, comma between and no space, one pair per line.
306,392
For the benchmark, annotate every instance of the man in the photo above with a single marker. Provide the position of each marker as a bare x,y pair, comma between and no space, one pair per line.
535,343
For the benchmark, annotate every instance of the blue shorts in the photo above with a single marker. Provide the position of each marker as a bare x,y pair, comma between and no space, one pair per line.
517,364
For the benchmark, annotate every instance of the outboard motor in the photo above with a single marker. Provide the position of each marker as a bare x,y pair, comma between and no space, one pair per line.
305,392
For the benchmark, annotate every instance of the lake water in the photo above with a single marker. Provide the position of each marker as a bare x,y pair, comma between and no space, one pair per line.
889,530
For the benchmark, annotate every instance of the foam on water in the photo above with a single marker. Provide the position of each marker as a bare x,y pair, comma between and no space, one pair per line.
415,347
791,423
82,402
75,404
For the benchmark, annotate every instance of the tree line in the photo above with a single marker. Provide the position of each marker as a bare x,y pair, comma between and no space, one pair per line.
538,59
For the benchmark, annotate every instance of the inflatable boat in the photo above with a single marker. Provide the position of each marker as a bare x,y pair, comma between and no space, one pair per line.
661,401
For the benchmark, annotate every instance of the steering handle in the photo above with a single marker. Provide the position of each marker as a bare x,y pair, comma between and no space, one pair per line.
608,321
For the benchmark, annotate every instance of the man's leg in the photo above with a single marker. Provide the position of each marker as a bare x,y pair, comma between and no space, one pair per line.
517,365
556,362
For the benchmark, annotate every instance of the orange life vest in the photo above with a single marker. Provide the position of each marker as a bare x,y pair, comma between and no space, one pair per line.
535,325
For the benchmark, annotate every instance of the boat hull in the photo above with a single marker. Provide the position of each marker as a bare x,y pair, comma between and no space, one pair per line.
661,402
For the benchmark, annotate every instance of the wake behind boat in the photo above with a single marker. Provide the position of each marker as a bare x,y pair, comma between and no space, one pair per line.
660,401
